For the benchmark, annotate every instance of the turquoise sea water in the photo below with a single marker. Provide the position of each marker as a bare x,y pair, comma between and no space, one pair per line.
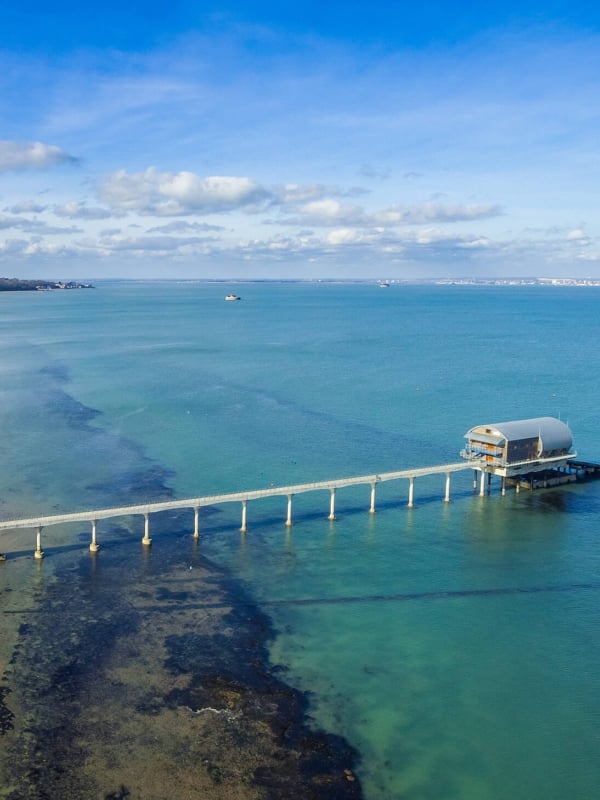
456,646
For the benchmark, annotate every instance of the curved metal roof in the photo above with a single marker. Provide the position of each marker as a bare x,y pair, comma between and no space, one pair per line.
553,433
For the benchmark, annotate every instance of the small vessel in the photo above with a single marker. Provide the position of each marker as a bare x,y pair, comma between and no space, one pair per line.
384,285
232,297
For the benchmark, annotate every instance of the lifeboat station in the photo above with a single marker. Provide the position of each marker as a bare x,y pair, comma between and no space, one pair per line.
526,453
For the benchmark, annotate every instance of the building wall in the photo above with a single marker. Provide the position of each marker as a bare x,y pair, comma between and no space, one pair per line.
522,450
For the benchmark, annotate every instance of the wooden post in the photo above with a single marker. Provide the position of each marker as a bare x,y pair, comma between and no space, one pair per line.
94,544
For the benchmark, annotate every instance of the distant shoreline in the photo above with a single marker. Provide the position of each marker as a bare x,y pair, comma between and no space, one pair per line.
528,282
18,284
21,285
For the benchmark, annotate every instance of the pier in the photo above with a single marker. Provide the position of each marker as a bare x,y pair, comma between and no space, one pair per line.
571,471
243,498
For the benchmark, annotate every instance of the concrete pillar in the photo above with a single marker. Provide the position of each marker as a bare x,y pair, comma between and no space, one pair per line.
372,508
447,495
244,527
39,553
288,521
332,506
411,492
196,523
147,540
474,480
482,484
503,486
94,544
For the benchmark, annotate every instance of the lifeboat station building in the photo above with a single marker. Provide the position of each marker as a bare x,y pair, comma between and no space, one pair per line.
526,452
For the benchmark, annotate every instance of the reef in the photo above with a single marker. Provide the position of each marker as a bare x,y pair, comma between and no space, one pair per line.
144,671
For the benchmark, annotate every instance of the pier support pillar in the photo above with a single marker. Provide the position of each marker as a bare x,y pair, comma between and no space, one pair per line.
39,553
482,484
288,521
94,544
372,508
503,490
147,540
244,527
196,523
332,506
474,480
447,494
411,492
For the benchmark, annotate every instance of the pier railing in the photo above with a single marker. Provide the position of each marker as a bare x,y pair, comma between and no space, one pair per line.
196,503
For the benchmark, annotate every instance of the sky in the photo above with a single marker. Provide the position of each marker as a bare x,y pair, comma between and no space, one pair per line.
326,139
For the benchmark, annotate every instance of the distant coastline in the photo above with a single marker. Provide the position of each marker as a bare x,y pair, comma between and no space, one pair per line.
20,285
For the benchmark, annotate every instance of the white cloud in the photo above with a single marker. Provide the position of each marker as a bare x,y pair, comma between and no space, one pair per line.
178,193
352,236
150,245
328,211
31,155
293,193
26,207
79,210
577,235
33,226
183,226
435,212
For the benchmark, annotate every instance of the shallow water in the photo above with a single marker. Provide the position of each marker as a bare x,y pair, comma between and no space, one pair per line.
455,645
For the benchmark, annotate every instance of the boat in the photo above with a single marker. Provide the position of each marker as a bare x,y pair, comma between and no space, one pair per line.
232,297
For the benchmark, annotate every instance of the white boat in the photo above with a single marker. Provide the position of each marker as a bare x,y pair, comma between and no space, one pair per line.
232,297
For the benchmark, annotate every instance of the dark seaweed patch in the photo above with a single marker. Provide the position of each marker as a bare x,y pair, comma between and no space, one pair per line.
6,715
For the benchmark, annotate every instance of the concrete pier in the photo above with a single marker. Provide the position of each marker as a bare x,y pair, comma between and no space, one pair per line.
332,505
147,540
39,553
94,544
195,504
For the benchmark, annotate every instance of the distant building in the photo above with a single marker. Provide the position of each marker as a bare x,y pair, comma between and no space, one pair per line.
518,448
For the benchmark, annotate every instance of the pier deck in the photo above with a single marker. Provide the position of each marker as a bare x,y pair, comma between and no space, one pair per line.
576,468
196,503
218,499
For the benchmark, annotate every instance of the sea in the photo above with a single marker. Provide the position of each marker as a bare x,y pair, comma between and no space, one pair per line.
455,646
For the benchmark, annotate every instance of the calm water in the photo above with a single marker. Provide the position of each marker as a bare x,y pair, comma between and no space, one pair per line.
455,645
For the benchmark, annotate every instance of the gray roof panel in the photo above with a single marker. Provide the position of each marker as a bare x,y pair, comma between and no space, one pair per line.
554,434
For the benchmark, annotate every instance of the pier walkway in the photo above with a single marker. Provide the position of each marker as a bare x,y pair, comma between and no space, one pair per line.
196,503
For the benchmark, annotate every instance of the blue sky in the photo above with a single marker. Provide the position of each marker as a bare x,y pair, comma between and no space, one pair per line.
329,139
